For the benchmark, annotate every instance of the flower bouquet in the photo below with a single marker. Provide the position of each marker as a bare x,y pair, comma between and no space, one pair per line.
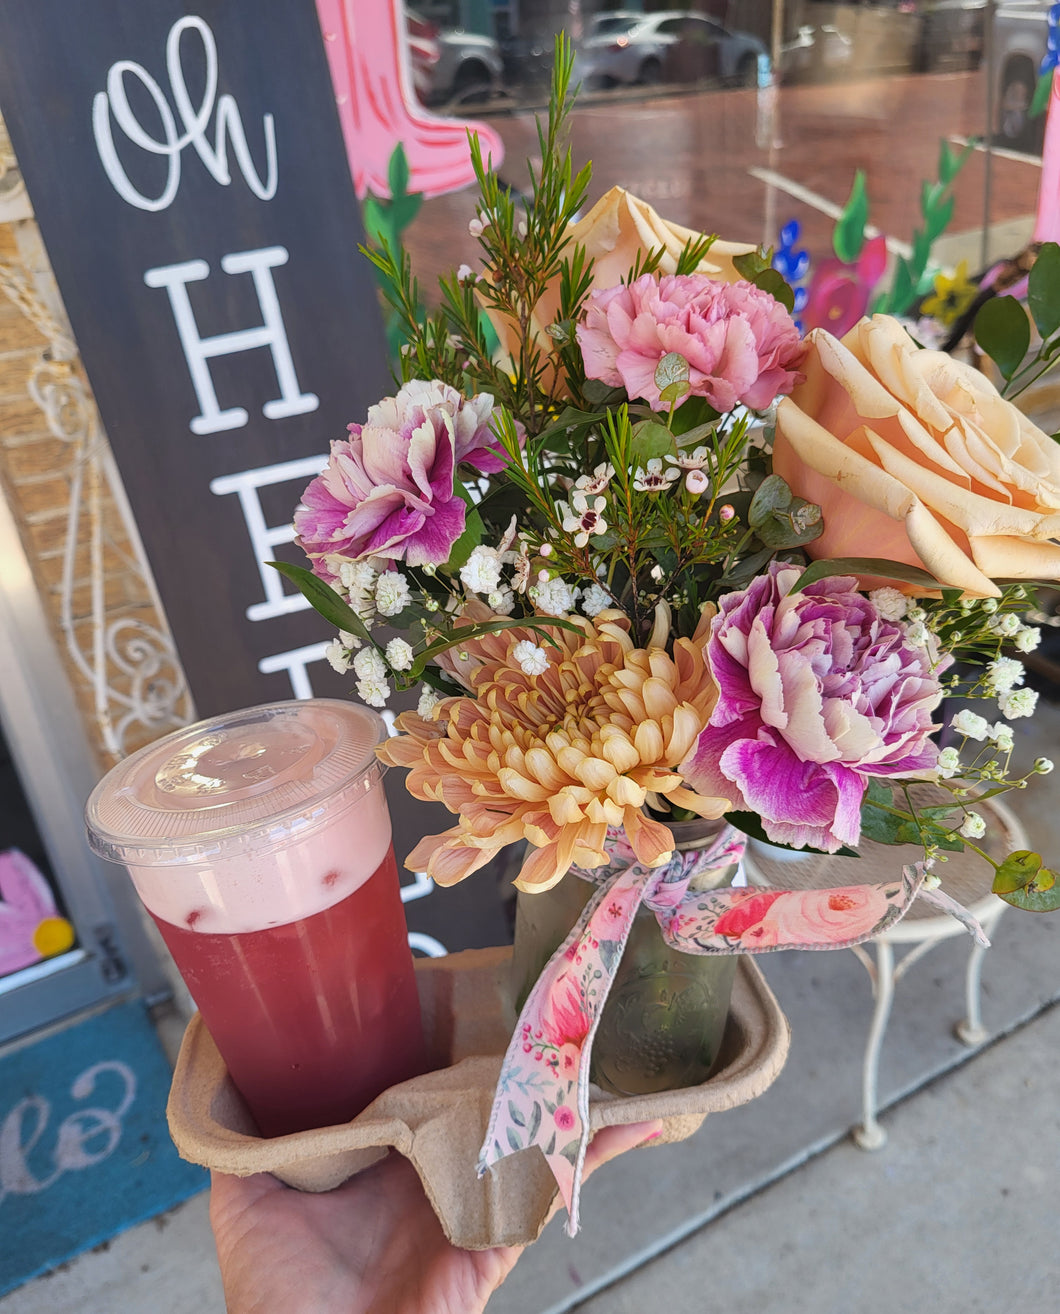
614,526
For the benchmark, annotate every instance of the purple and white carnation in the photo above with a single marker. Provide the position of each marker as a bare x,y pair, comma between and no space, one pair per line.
817,695
387,491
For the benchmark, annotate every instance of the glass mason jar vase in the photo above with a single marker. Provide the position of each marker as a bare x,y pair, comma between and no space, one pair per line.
664,1019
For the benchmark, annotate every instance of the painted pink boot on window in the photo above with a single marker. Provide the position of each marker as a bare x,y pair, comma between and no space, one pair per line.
367,48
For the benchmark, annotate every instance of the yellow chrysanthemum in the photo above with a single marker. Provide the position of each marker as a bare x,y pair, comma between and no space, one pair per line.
558,757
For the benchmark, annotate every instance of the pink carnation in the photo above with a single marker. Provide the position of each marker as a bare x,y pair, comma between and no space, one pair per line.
817,694
740,343
387,491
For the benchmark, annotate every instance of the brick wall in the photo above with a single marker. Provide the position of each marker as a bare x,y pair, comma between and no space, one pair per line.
36,473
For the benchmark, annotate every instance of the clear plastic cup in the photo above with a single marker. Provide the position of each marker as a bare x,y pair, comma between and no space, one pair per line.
260,843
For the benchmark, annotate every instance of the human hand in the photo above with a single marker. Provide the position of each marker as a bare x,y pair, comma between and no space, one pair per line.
371,1246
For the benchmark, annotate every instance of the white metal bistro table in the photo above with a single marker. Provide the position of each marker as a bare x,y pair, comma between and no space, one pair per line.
965,877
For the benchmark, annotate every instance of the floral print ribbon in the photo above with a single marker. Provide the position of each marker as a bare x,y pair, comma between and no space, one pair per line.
542,1095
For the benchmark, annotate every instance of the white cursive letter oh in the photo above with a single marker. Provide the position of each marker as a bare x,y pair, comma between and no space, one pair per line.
228,128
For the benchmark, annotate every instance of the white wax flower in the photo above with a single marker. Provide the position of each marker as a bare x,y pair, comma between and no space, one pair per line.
597,481
696,482
399,654
532,659
971,724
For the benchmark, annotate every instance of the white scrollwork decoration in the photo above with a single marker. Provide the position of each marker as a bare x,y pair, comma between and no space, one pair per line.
131,665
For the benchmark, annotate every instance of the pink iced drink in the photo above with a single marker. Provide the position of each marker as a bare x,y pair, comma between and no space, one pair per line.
269,871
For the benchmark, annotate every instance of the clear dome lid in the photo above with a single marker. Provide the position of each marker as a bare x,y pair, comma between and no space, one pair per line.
220,786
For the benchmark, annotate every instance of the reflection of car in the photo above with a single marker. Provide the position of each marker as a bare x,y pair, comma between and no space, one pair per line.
951,36
676,45
464,65
1020,38
814,53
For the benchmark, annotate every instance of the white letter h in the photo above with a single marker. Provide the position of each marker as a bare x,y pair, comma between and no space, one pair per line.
199,350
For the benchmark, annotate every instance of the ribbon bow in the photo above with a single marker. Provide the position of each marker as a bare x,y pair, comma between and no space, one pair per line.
542,1096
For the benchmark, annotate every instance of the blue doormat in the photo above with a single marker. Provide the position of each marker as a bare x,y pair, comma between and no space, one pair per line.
84,1147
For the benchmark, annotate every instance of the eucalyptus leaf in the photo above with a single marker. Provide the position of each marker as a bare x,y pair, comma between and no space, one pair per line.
1003,331
651,439
751,263
774,282
1016,872
323,598
876,566
1043,290
772,495
1033,898
672,368
674,393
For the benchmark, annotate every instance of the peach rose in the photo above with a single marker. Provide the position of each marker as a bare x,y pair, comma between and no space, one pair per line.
615,230
916,457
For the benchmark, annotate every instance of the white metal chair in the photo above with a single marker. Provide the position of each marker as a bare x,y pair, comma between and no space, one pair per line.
965,876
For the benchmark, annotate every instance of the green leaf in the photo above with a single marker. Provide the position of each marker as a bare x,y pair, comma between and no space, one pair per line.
865,566
672,368
750,823
1036,897
468,540
938,218
323,598
1043,290
772,495
903,290
797,526
376,222
949,164
1040,99
398,172
774,282
465,633
1003,331
752,263
513,1140
515,1114
650,439
1016,872
848,236
535,1122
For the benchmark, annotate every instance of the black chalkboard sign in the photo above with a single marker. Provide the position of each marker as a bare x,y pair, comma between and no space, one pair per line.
188,172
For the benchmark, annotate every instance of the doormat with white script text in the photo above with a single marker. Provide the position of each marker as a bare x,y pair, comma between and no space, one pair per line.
84,1147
